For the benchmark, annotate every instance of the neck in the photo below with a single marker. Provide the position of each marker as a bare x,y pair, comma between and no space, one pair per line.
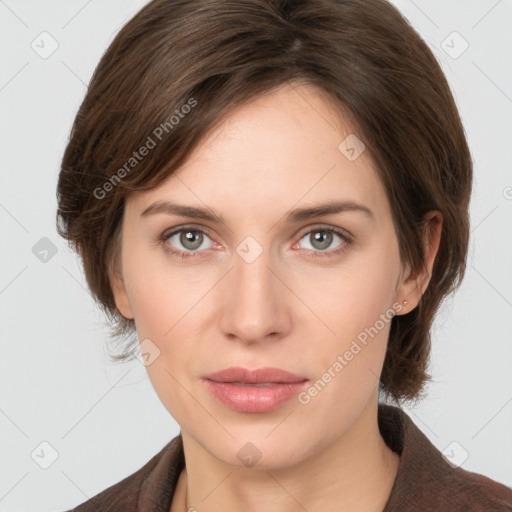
355,473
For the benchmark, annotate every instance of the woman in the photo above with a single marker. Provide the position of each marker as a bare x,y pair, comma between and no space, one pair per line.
273,196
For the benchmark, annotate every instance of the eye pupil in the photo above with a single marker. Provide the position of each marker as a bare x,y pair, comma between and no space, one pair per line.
323,237
187,238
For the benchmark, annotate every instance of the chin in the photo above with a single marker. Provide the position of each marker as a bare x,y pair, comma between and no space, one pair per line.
260,452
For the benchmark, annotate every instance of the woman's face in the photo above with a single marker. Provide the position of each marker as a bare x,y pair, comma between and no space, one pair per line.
265,287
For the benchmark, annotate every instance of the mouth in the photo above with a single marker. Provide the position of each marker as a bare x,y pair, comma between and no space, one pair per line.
258,385
254,391
245,376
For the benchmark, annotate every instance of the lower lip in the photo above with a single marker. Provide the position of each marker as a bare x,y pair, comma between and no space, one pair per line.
254,398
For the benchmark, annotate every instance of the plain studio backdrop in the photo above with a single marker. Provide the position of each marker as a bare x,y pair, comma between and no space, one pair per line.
71,423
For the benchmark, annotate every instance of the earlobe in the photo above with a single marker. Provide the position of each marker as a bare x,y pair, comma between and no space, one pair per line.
413,286
120,295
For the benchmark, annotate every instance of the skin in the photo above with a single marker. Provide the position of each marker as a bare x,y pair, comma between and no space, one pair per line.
286,309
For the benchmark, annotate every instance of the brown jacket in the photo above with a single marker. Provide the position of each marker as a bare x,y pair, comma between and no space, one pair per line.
425,481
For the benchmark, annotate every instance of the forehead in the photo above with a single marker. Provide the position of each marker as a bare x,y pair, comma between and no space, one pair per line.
283,149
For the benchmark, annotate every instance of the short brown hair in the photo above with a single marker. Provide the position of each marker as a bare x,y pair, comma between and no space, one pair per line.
178,66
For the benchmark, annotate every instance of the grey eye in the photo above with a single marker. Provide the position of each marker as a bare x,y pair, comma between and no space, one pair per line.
320,239
190,239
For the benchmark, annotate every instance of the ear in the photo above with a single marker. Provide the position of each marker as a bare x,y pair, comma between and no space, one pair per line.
412,285
120,294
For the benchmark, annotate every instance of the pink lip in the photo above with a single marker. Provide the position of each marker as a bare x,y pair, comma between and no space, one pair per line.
244,375
281,387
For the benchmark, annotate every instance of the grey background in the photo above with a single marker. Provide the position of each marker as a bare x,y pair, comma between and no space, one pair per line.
105,421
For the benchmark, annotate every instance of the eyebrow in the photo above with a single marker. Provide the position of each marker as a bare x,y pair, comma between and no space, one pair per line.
295,215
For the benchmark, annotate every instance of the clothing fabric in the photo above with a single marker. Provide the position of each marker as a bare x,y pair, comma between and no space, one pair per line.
425,481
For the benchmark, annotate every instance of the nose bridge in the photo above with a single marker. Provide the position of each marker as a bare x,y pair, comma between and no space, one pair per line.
254,306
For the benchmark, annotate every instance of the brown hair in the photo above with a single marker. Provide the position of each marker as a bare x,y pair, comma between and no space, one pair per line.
179,66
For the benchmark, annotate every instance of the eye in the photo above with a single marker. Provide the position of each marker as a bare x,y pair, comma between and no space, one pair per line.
321,239
186,240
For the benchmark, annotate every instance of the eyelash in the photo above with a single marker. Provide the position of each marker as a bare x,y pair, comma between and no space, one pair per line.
347,241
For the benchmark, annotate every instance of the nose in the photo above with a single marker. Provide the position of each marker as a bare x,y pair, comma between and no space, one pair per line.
254,300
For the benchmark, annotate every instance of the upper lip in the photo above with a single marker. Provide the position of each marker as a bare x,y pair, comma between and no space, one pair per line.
260,375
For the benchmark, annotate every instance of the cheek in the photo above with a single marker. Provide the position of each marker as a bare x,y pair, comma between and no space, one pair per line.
356,305
163,301
354,295
151,310
167,302
161,294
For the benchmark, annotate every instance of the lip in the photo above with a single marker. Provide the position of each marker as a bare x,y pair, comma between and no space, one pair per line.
236,387
260,375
